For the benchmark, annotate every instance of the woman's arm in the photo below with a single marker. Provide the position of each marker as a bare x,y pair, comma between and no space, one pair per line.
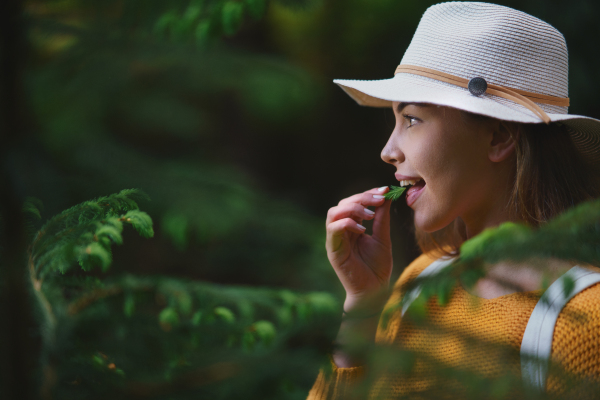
353,332
363,264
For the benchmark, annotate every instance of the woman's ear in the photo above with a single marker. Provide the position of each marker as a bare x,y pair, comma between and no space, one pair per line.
504,140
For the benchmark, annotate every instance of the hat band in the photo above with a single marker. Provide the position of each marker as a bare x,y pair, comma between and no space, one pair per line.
526,99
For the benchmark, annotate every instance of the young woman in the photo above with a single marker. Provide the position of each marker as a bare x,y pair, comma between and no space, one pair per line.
482,137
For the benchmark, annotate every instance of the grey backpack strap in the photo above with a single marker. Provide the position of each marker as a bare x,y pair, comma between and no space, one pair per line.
537,340
431,269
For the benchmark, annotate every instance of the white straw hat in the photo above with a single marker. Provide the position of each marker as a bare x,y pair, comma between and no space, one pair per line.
486,59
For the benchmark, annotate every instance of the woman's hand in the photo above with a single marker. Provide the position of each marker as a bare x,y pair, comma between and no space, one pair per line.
363,263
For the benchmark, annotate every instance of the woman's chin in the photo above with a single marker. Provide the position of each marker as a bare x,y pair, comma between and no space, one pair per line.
429,223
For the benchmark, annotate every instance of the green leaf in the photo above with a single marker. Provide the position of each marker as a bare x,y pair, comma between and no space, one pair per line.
444,290
303,311
470,276
168,319
482,244
568,285
184,302
165,22
406,361
32,207
141,222
284,315
395,193
265,330
129,305
111,232
545,281
202,32
288,297
418,308
225,314
500,388
197,318
94,254
193,11
248,341
322,303
98,361
232,15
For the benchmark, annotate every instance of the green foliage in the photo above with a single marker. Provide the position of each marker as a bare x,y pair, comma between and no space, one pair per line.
574,236
145,95
265,331
171,97
128,94
232,14
207,20
395,193
85,233
121,334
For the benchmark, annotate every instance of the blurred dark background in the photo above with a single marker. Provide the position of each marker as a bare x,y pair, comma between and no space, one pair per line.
229,122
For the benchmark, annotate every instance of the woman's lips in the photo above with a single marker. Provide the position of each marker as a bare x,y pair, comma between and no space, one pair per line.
413,193
400,177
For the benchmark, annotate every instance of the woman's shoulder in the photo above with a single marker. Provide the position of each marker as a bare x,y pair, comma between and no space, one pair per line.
575,345
582,312
390,323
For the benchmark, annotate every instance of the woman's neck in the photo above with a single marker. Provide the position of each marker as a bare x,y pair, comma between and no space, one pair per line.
489,215
491,207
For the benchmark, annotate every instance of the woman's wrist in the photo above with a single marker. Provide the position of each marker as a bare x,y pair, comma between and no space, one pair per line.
356,335
367,304
360,315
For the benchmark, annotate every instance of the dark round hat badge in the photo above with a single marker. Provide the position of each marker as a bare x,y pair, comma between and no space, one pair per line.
477,86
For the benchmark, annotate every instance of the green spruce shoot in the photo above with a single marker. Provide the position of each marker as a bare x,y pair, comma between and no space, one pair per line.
395,192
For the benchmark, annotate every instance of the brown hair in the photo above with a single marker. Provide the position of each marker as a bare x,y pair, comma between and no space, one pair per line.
551,176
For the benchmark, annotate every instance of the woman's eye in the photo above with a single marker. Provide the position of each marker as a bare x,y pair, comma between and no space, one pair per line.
411,120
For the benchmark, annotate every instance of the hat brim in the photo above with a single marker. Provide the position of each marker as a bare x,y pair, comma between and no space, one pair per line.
408,88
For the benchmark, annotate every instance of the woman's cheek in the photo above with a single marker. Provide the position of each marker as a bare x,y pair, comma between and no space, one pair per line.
434,210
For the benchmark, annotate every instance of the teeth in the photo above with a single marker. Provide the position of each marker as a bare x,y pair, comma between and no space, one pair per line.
410,182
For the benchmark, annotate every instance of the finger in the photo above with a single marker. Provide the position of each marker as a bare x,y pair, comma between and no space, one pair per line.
336,230
373,197
381,223
355,211
354,198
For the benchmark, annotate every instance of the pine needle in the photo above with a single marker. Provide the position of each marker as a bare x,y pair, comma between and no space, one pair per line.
395,193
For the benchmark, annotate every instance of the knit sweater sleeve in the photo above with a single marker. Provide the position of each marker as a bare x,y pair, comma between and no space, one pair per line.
334,383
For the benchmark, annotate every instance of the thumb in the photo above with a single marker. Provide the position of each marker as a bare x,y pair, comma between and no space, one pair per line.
381,223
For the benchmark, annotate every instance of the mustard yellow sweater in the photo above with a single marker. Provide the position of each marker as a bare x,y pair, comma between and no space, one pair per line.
472,334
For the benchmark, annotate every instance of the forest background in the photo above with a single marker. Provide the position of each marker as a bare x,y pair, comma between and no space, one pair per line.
224,113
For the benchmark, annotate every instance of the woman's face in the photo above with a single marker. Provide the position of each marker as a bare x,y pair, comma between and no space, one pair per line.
451,156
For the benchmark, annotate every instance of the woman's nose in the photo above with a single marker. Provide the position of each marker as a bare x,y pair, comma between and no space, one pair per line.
391,153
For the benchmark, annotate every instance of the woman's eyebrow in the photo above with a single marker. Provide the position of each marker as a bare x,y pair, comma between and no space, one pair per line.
402,105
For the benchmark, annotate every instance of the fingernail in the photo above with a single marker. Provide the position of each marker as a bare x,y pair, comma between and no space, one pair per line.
361,227
381,189
378,196
369,211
